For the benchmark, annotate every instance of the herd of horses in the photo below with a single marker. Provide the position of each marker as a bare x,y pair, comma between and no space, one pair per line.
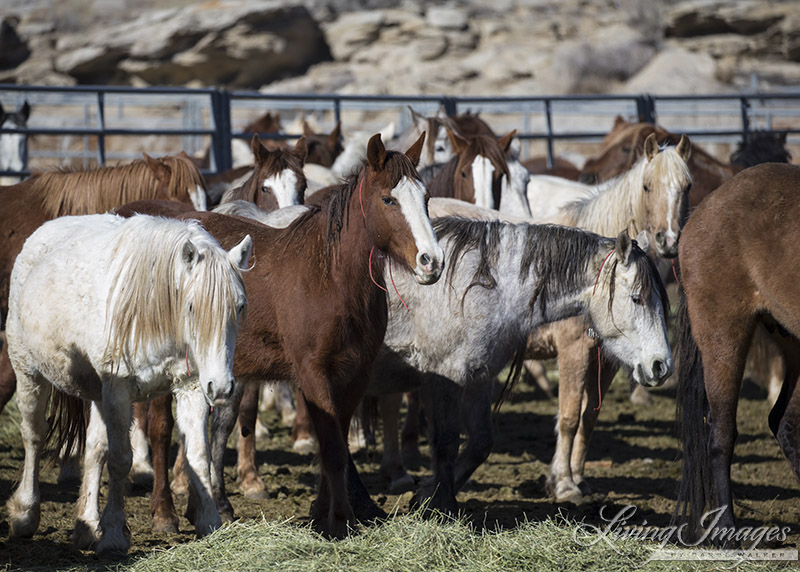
435,260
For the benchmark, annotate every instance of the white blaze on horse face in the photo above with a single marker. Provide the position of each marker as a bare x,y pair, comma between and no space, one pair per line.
198,197
410,195
514,192
442,150
482,170
284,186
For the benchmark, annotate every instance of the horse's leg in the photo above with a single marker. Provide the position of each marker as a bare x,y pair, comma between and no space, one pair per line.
303,440
192,416
87,521
141,469
24,507
539,374
573,367
117,414
476,414
409,438
441,398
180,481
250,483
784,419
159,426
283,403
8,380
223,420
392,463
591,410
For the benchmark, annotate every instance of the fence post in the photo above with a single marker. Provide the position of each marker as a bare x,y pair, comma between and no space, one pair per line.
745,108
101,119
646,108
450,106
221,143
548,116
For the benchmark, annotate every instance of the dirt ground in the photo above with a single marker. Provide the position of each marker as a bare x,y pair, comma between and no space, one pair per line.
632,462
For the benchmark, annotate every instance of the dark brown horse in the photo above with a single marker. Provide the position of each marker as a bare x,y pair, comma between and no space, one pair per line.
277,180
317,311
323,149
28,205
738,252
561,168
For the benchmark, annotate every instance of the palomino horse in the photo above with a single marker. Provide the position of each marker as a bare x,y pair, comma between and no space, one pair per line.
157,300
29,204
737,256
651,198
452,347
277,180
13,146
319,317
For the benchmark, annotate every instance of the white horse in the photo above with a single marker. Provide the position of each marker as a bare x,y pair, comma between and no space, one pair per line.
503,281
156,308
13,146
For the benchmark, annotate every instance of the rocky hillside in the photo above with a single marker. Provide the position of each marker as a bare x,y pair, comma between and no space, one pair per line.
459,47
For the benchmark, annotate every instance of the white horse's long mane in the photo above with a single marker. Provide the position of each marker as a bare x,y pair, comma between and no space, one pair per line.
621,202
161,271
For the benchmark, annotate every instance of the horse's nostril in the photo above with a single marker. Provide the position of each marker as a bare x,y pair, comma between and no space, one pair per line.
424,259
210,389
660,237
659,369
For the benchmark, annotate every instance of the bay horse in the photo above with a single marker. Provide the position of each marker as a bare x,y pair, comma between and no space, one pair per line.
317,315
157,299
451,347
14,146
323,148
29,204
276,181
737,257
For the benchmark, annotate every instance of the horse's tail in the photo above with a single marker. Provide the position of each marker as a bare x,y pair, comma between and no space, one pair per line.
68,419
695,487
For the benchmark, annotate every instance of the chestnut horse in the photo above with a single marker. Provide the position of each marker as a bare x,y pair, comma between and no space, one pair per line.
737,256
318,313
28,205
277,180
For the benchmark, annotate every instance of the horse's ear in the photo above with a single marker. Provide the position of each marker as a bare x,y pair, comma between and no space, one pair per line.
239,255
2,113
505,140
684,148
25,111
618,121
415,150
160,170
420,121
259,151
335,136
651,146
300,149
307,129
643,240
376,152
456,140
624,247
189,253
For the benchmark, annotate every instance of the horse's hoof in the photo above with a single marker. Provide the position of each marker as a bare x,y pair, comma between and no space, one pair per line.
584,487
165,524
402,484
568,494
253,487
23,521
114,546
85,535
305,446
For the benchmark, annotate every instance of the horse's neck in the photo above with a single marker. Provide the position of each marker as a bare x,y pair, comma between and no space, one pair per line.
442,184
613,206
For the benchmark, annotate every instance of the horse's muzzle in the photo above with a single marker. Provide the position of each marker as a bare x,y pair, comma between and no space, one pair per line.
429,267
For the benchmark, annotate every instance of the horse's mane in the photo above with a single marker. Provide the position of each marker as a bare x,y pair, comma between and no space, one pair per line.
560,256
442,183
151,287
618,203
73,192
336,202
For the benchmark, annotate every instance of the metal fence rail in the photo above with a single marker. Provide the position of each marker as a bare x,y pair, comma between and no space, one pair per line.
198,115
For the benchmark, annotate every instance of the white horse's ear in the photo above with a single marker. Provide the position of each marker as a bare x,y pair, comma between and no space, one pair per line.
684,148
239,255
624,247
189,253
643,240
651,146
420,121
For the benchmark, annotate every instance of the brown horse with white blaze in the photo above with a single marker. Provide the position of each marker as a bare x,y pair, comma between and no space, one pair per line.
318,313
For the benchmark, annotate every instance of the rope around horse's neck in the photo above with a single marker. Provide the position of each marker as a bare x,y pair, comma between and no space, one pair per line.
599,359
372,250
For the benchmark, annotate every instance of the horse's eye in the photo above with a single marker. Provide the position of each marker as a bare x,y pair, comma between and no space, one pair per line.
637,299
463,174
388,201
239,308
688,187
191,308
646,189
264,189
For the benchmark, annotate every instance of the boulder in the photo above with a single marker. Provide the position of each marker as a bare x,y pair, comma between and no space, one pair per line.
704,17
